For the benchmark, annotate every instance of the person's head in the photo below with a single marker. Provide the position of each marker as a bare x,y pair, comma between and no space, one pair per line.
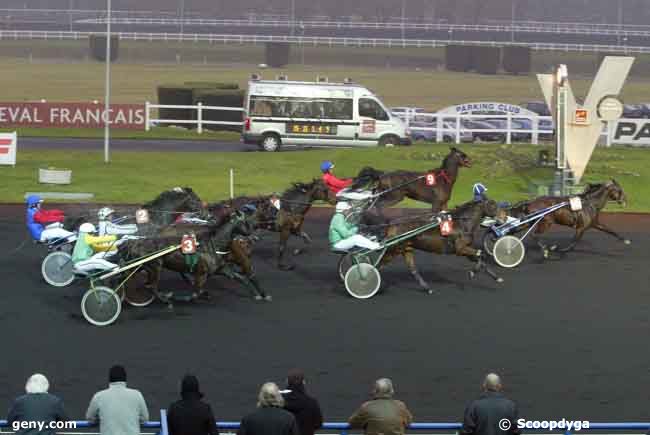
343,207
37,383
295,379
383,388
117,373
270,396
478,190
190,387
492,382
34,201
87,228
326,166
105,213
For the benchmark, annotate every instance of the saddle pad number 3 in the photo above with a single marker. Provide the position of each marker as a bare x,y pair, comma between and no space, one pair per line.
430,179
446,227
188,244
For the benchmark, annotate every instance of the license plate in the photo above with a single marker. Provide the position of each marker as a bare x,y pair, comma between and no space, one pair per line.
311,129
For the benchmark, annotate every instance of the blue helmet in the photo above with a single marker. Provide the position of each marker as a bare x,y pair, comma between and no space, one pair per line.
32,200
249,208
479,189
326,166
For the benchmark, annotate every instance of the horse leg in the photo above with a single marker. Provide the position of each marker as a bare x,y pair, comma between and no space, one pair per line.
409,258
200,278
463,248
578,236
284,237
153,271
611,232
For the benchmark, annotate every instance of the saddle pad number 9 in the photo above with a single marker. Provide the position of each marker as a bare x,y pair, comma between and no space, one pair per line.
575,203
430,179
142,216
446,227
188,244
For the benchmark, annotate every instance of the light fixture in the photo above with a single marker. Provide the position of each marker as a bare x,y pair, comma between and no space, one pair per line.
561,74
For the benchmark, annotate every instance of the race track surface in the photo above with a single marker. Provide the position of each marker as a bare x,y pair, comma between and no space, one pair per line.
569,337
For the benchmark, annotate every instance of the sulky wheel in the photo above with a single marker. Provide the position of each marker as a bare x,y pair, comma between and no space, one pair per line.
135,292
347,261
489,239
509,251
362,281
101,306
57,269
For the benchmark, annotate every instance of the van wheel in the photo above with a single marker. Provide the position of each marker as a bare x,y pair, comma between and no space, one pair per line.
389,141
270,142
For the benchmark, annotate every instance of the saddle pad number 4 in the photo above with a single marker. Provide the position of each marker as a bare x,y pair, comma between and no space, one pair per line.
188,244
430,179
446,227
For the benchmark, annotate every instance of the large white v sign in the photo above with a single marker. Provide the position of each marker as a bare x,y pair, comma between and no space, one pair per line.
582,139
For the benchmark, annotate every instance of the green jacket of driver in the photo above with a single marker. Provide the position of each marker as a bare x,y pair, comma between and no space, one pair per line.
341,229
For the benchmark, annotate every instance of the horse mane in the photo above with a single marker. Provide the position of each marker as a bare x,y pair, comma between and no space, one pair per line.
297,188
463,208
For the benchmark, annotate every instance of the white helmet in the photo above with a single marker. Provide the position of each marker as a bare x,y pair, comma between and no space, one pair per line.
342,206
103,213
87,228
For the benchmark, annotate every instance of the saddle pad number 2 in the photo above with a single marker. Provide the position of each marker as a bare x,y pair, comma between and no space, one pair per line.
430,179
188,244
446,227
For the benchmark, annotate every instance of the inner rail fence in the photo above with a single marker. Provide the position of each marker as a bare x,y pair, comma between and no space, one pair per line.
436,127
329,41
161,428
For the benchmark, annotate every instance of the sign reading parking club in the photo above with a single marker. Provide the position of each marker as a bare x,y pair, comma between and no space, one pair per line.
8,148
78,115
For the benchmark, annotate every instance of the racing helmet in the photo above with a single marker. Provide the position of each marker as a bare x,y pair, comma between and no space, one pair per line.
326,166
342,206
249,208
87,228
479,189
104,213
33,200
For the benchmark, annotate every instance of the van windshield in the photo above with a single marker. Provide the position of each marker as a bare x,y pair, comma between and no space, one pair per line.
298,107
371,109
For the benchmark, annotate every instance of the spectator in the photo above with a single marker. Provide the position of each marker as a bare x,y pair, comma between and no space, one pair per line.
36,406
483,415
120,410
303,407
190,415
270,418
383,415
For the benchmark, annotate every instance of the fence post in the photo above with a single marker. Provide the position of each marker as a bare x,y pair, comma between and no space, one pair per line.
146,116
535,133
509,127
232,183
200,117
610,132
457,128
439,125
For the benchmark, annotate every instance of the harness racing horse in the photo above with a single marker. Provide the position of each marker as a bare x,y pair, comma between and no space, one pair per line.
212,255
295,202
163,210
594,198
408,184
466,219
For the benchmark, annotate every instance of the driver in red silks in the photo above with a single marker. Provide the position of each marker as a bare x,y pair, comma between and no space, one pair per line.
334,184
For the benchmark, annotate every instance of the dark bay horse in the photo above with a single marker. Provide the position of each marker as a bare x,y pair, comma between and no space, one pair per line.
409,184
213,255
594,198
163,209
295,202
466,219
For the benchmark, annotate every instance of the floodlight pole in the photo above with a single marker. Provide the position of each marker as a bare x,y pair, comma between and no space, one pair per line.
107,97
403,18
561,127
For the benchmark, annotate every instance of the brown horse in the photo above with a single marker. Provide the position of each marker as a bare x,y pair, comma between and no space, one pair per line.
466,218
594,198
408,184
295,202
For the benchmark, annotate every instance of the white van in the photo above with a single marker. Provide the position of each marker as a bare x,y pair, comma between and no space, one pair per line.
281,112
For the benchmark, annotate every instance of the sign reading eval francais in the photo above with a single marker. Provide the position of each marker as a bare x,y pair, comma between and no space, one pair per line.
79,115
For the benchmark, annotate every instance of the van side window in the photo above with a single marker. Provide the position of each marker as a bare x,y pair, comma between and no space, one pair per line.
296,107
371,109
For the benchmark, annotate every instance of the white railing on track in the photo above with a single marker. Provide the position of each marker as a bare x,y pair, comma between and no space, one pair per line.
199,121
317,40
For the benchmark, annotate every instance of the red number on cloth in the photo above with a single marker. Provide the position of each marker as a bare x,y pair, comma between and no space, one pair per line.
188,244
446,227
431,179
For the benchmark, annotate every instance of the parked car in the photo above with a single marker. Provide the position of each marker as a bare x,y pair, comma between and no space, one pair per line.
634,111
539,107
426,131
486,136
405,113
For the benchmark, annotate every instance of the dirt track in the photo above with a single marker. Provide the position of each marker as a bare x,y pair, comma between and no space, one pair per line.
568,337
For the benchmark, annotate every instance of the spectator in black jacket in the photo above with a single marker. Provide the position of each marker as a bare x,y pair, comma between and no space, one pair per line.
270,418
191,415
304,408
37,409
492,413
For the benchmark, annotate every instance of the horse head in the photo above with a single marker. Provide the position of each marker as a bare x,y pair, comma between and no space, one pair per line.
615,192
320,192
176,200
458,157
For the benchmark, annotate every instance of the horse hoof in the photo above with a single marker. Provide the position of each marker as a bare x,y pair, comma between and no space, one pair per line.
268,298
258,297
627,242
430,291
471,274
297,251
552,248
499,280
546,253
286,267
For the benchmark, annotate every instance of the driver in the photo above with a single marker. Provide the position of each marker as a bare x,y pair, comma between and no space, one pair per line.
44,225
334,184
344,236
90,251
108,227
478,190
